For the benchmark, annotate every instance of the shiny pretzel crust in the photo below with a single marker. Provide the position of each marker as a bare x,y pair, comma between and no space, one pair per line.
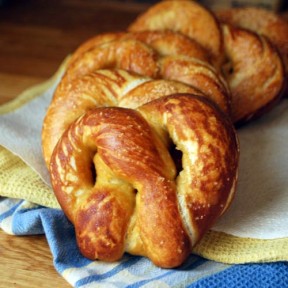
257,78
157,54
164,42
138,202
100,89
260,21
188,18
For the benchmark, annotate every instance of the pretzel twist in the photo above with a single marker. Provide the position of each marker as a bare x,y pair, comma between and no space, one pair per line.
98,89
141,172
138,202
256,77
82,88
188,18
153,54
164,42
261,21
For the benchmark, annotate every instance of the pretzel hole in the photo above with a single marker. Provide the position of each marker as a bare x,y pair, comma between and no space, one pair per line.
93,172
176,155
228,69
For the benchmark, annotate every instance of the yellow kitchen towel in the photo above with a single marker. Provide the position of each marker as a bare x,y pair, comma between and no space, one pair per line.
18,180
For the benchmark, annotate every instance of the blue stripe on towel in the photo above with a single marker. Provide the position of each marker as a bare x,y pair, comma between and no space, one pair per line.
26,221
131,271
99,277
199,261
264,275
57,229
10,211
61,238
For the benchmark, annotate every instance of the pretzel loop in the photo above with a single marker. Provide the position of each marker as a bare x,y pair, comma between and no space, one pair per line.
100,89
137,190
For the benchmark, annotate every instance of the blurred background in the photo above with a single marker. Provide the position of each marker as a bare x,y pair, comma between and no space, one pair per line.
276,5
269,4
36,35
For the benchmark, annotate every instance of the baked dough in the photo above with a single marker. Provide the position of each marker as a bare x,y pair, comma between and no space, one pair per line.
255,73
187,17
138,202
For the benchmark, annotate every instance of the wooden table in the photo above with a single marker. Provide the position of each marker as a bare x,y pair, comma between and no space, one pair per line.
35,37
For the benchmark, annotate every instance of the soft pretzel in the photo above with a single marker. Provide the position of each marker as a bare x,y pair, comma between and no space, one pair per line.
139,57
164,42
249,100
255,74
200,75
94,42
138,202
127,54
187,17
98,89
262,22
148,61
79,90
115,50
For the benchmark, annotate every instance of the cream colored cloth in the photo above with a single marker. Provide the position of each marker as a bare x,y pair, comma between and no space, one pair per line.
253,230
260,206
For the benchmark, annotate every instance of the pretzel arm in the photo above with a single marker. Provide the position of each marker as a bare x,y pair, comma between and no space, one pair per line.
210,153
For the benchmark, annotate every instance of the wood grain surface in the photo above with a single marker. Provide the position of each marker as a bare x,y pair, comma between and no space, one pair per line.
35,37
27,262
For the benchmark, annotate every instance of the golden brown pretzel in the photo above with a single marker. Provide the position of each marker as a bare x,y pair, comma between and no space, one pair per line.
151,60
262,22
115,50
134,55
187,17
138,202
70,100
101,88
127,54
249,100
199,75
256,77
164,42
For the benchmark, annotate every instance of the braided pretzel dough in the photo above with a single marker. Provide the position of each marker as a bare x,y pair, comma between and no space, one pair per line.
79,90
68,102
127,53
257,78
262,22
164,42
138,203
188,18
98,89
256,85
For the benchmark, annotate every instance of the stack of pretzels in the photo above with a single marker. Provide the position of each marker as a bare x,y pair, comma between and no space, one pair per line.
140,136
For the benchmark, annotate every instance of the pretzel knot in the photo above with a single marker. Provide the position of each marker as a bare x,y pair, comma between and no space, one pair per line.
254,68
156,54
101,88
188,18
114,174
252,59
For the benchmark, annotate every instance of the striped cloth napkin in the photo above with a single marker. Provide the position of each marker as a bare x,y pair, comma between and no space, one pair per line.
28,207
20,217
